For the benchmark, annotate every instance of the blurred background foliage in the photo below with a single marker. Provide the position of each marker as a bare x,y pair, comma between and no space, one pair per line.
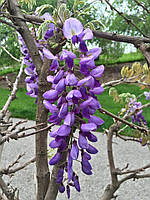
97,11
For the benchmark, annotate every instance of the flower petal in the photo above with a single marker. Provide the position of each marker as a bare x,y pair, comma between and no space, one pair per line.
71,27
88,127
55,159
64,130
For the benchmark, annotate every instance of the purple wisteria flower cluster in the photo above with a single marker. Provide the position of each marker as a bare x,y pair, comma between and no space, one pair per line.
32,76
71,102
76,103
137,117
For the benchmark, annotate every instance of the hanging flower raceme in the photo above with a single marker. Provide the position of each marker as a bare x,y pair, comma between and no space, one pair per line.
71,100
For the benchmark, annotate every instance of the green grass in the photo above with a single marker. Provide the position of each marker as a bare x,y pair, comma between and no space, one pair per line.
25,107
130,57
22,107
9,70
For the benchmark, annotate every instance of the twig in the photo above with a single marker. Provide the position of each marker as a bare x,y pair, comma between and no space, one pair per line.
13,93
127,138
129,21
9,171
119,172
16,161
2,197
17,124
9,194
133,176
23,135
3,4
9,24
10,54
121,38
123,120
142,6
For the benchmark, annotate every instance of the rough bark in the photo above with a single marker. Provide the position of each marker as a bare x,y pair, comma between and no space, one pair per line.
42,170
19,21
111,189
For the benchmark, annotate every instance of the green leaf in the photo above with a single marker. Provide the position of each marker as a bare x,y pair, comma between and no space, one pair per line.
61,11
30,3
40,9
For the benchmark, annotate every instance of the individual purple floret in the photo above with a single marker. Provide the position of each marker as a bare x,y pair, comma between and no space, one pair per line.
147,95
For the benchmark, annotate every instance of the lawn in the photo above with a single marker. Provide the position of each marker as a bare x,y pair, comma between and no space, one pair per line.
25,107
22,107
129,57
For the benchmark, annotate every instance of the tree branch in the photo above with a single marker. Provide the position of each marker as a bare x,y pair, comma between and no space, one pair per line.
129,21
10,54
9,171
144,8
9,24
14,10
23,135
13,94
121,38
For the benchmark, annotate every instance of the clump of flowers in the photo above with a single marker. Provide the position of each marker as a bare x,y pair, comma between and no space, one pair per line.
138,116
147,95
76,101
72,102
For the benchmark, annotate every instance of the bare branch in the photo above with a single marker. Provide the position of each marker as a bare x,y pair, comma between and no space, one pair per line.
121,38
16,135
7,191
123,120
10,54
2,197
129,21
142,6
9,24
133,176
13,93
134,170
9,171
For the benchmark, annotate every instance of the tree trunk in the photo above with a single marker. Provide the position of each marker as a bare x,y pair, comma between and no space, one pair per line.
42,170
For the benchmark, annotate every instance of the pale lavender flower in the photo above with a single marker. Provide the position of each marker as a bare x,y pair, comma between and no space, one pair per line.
68,191
97,90
51,107
69,166
147,95
91,149
61,188
58,76
48,54
72,27
83,143
61,86
63,110
68,56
